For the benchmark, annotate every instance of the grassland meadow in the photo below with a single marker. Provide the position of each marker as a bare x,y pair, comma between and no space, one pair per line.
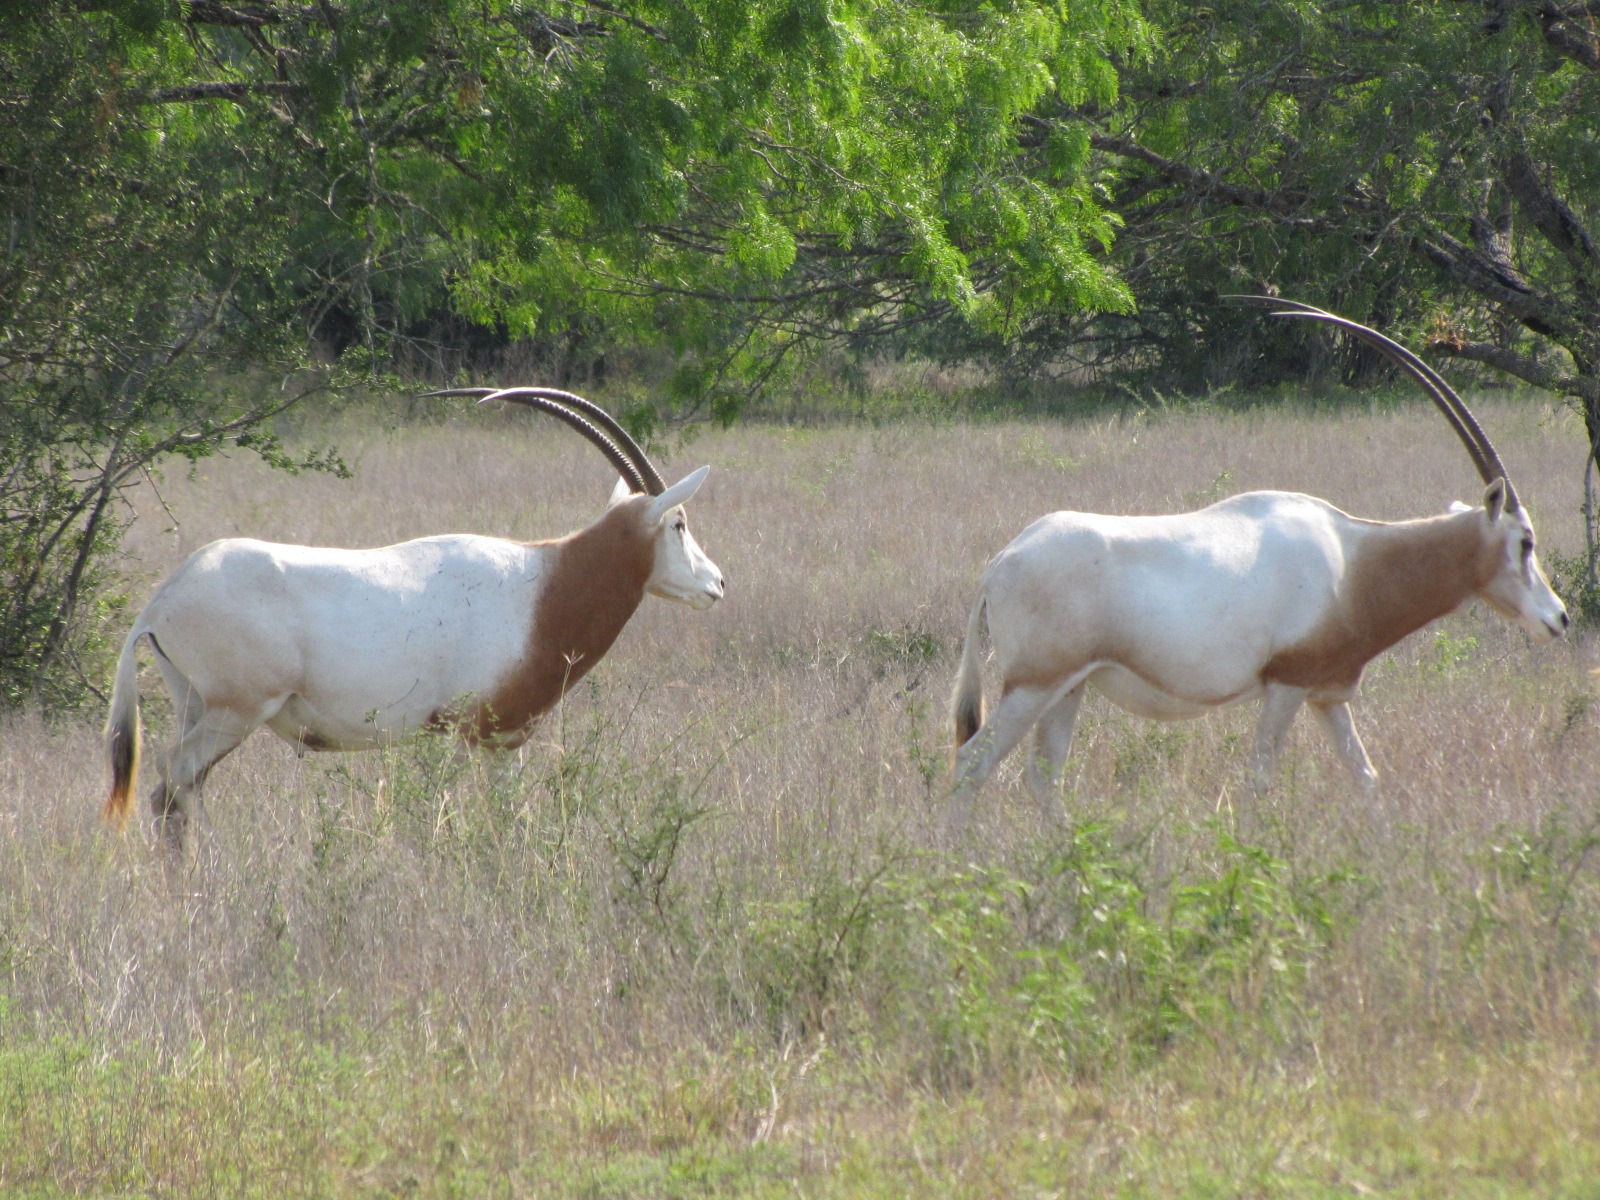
706,935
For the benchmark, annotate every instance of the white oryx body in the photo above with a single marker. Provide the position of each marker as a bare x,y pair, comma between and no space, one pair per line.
336,649
1270,596
346,649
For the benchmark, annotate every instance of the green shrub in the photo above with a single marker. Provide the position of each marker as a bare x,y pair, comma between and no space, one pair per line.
1083,959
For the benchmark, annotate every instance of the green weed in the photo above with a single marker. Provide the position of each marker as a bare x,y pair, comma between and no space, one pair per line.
1451,653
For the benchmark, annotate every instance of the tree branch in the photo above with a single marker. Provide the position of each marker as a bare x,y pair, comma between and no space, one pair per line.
1523,366
1554,219
1285,206
228,90
245,16
1570,30
1487,279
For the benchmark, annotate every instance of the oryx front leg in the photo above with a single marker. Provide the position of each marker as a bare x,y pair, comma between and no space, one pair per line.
1278,709
1340,727
1018,709
1052,744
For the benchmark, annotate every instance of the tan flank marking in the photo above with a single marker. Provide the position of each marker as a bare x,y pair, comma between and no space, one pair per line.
595,581
1398,579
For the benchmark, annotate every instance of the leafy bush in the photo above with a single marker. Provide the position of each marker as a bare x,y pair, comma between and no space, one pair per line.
1081,960
1578,585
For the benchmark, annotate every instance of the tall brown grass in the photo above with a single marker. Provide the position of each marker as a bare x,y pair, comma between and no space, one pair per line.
710,916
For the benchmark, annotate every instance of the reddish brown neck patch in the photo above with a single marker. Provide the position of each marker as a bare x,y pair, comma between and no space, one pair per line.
594,582
1398,578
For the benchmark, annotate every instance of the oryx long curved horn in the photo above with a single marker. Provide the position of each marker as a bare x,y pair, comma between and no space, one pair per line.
1455,409
648,478
614,453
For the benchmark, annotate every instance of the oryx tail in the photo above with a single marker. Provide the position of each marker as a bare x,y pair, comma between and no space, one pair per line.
122,731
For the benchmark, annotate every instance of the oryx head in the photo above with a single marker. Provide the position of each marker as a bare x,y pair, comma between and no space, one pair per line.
680,569
1514,583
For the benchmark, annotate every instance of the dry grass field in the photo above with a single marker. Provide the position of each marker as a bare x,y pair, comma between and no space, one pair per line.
706,935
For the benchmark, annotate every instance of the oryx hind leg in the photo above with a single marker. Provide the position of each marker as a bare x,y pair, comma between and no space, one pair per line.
1052,744
1007,725
212,737
187,706
1340,726
207,733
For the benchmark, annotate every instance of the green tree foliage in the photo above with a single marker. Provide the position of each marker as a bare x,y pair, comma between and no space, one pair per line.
735,179
132,234
195,193
1428,167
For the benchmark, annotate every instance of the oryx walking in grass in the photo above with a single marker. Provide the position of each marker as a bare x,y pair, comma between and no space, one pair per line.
347,649
1270,596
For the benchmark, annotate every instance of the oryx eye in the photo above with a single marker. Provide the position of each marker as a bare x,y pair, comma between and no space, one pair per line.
1527,547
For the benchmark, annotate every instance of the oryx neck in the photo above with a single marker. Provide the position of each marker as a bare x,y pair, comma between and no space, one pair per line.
1402,576
592,582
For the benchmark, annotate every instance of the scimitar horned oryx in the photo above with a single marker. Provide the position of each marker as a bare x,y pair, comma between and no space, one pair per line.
1270,596
337,649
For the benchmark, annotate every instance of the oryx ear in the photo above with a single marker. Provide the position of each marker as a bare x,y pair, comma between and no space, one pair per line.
1494,499
675,495
1457,507
619,493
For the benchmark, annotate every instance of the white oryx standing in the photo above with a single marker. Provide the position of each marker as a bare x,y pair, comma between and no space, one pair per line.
348,649
1270,596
